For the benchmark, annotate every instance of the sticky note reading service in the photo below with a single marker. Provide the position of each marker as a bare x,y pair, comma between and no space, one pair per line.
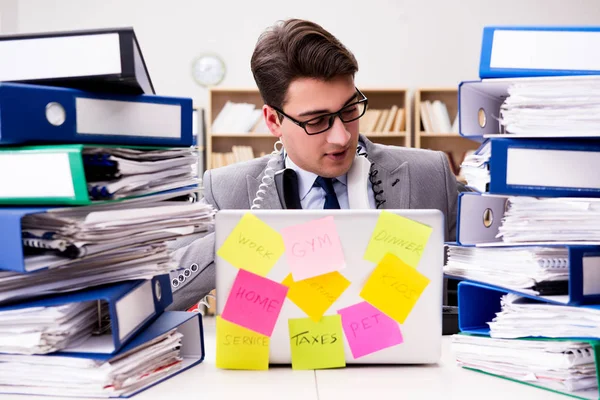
317,345
313,248
394,287
368,330
254,302
315,295
400,236
240,348
252,245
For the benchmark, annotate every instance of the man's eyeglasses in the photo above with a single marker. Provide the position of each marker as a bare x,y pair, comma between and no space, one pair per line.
320,124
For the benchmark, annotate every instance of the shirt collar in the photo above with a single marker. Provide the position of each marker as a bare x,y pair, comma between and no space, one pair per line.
306,179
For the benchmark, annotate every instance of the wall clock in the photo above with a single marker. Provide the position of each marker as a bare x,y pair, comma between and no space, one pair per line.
208,70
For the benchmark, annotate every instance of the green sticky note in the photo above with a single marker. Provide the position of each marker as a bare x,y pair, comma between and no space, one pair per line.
317,345
400,236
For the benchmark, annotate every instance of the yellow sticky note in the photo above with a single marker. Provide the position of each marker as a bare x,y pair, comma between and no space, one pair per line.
317,345
394,287
397,235
241,348
315,295
252,245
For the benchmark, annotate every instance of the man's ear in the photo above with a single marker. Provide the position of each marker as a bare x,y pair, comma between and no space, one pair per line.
272,120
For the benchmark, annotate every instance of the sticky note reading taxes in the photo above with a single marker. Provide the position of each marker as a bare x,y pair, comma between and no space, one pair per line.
317,345
315,295
254,302
252,245
240,348
368,330
313,248
400,236
394,287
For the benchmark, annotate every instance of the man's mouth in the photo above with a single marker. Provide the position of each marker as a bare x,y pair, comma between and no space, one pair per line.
336,155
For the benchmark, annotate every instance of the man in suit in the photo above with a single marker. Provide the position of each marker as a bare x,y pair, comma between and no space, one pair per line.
306,79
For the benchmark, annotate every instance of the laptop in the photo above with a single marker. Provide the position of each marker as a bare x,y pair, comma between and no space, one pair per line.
421,330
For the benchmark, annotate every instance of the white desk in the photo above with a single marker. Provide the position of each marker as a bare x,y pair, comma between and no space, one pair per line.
444,380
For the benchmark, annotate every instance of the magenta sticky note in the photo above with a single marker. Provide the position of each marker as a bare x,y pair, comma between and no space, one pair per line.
313,248
368,330
254,302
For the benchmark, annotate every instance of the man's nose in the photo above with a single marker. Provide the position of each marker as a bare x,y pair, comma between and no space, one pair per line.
338,134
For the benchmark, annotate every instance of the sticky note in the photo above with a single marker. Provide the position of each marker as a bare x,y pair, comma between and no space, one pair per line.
368,330
254,302
313,248
398,235
394,287
315,295
317,345
252,245
240,348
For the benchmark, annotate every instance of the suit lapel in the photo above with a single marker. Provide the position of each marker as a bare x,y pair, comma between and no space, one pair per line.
393,174
269,197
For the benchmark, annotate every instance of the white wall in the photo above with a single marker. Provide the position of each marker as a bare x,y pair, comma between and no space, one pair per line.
8,16
403,43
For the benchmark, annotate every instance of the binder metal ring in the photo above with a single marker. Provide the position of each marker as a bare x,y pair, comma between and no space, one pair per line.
481,118
488,217
55,114
157,290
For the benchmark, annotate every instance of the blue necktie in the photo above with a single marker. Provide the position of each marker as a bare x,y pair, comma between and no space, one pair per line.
331,201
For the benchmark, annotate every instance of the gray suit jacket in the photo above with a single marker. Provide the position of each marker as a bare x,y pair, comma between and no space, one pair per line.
410,178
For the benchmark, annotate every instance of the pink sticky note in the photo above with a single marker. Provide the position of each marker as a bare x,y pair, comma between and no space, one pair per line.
254,302
313,248
368,330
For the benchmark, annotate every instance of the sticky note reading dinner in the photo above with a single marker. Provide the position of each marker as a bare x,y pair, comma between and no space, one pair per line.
252,245
400,236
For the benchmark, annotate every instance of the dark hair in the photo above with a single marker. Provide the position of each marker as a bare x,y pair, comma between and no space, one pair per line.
297,49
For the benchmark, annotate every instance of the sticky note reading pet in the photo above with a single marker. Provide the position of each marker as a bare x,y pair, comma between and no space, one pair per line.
254,302
368,330
315,295
317,345
394,287
240,348
397,235
252,245
313,248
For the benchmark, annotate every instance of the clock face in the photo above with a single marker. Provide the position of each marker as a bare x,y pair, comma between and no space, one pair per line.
208,70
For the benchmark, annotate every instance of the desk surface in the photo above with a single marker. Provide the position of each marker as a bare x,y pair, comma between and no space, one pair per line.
444,380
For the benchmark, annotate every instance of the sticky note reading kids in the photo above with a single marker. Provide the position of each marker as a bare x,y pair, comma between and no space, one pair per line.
394,287
397,235
368,330
254,302
313,248
252,245
317,345
315,295
240,348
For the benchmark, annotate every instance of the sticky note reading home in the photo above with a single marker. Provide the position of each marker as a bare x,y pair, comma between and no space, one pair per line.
313,248
400,236
252,245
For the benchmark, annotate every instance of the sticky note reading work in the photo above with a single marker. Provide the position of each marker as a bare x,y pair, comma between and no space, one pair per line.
313,248
254,302
397,235
394,287
317,345
368,330
240,348
252,245
315,295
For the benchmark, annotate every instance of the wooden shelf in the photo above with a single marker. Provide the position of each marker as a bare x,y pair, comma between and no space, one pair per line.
243,135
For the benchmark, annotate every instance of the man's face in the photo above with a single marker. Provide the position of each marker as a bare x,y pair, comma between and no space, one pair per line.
330,153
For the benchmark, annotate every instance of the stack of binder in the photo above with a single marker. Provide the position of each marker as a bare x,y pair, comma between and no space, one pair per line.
527,253
98,174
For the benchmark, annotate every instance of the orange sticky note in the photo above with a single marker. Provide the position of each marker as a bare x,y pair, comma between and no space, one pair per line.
315,295
240,348
252,245
394,287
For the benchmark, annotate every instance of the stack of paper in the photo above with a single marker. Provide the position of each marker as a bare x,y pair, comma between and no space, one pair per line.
532,269
523,317
73,376
474,168
558,365
553,107
530,219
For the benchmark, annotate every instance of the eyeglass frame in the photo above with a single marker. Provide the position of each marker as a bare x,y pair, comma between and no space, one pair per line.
331,116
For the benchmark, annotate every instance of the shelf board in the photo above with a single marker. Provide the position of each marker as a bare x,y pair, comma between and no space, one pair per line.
242,135
440,135
386,135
